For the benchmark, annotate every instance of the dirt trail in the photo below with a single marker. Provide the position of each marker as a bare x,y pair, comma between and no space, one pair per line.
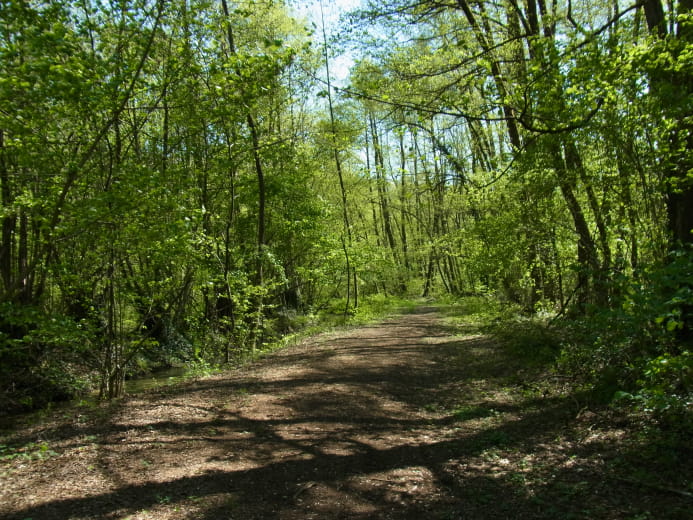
397,420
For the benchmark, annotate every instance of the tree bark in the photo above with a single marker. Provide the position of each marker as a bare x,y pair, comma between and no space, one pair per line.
673,89
381,186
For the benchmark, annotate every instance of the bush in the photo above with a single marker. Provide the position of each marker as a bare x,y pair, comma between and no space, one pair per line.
530,339
42,357
638,351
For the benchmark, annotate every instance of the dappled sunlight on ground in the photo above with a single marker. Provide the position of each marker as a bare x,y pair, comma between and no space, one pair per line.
400,420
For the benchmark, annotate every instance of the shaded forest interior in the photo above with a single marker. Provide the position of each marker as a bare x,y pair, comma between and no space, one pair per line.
186,182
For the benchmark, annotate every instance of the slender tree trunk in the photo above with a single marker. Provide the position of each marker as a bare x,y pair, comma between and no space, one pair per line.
346,245
429,275
381,183
260,174
631,236
372,198
230,310
403,206
602,274
418,213
112,371
588,263
25,277
8,222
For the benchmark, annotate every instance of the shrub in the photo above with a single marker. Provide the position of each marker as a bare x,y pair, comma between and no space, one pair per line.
638,350
42,357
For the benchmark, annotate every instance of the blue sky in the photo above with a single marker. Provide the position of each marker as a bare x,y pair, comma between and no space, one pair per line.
332,9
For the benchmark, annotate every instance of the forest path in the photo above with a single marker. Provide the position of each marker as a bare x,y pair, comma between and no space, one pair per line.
399,420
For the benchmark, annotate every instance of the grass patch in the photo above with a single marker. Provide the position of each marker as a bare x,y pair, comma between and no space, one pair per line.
371,308
529,339
468,413
31,451
470,314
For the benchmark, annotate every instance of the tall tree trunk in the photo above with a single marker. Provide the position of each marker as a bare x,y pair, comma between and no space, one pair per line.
346,244
403,198
25,277
438,188
381,183
602,275
588,263
372,198
260,174
673,90
631,237
8,222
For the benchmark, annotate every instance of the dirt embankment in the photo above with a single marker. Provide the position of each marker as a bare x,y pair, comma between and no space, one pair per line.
397,420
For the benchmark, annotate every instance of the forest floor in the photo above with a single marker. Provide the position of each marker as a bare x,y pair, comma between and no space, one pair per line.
410,418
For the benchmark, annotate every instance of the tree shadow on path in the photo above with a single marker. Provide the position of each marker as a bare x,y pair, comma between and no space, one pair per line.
339,427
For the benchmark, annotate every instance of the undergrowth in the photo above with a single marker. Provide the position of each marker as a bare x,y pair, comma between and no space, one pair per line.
30,451
621,370
632,356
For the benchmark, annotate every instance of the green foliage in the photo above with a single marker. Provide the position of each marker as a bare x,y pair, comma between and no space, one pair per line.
31,451
475,314
666,389
471,412
639,351
200,368
42,357
371,307
534,171
379,305
129,198
528,338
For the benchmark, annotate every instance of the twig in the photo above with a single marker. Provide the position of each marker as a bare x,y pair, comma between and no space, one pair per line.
304,487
